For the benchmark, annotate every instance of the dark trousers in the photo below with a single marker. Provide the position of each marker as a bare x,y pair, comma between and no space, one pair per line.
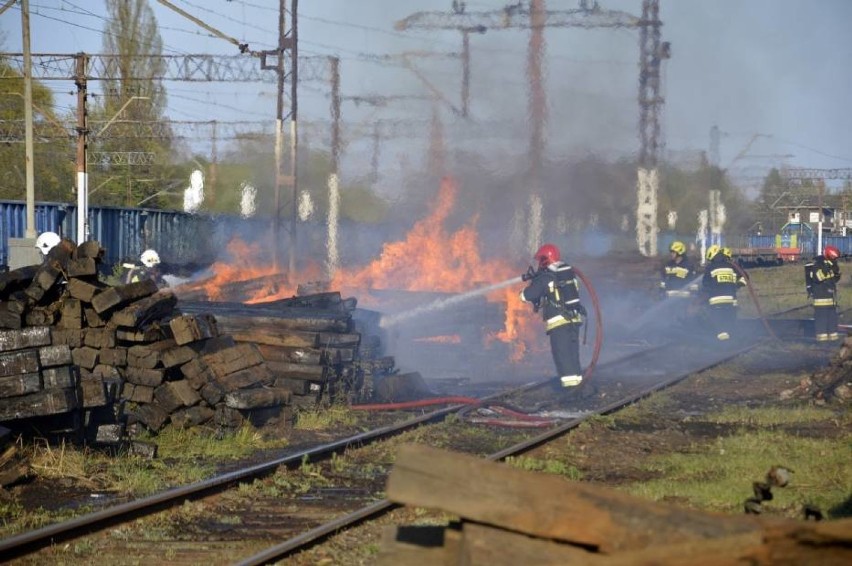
722,319
825,320
565,346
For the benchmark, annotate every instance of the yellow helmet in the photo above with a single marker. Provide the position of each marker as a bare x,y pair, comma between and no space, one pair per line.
727,253
678,247
712,251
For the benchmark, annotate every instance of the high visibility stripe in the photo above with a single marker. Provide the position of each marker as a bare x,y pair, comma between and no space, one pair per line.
723,336
680,272
824,302
722,300
571,380
833,336
560,320
822,337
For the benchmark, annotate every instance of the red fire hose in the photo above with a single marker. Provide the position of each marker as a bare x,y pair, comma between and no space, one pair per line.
596,351
753,295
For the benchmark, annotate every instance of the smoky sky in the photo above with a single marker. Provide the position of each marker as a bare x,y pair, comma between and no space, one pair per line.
771,72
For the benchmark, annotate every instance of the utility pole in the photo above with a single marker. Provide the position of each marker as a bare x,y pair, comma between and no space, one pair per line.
28,119
334,173
652,51
286,42
538,111
535,18
82,133
294,137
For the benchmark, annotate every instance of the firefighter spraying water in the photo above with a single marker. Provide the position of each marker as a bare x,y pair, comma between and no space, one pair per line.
553,289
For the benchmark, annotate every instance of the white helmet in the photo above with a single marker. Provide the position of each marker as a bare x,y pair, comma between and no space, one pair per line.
150,258
47,241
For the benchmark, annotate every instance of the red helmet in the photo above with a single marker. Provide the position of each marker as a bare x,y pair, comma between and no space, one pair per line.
547,254
831,252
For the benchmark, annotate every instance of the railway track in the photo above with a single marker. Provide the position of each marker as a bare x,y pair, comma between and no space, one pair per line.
625,380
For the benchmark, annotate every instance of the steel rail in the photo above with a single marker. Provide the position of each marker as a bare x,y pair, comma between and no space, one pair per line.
31,541
306,539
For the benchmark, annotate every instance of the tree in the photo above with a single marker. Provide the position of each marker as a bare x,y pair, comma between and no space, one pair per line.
133,93
53,159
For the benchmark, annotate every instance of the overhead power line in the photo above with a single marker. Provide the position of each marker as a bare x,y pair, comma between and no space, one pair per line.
193,68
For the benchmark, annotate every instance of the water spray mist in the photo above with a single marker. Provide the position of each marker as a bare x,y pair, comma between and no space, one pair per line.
440,304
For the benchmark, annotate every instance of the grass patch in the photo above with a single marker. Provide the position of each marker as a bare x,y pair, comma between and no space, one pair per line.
548,466
775,416
719,475
197,442
326,418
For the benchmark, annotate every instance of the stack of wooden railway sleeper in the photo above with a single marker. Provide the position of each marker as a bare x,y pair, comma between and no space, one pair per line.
103,357
510,516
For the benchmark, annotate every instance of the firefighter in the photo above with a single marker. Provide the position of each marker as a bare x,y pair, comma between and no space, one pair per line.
46,242
678,273
148,270
821,282
553,289
720,284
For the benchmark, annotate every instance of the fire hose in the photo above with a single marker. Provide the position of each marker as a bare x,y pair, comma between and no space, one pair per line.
516,418
596,350
753,295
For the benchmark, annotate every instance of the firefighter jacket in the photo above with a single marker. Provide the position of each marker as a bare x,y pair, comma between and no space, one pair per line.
721,281
823,276
677,276
133,273
555,292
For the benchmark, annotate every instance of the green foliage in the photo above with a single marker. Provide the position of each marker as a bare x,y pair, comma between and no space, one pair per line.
719,475
53,152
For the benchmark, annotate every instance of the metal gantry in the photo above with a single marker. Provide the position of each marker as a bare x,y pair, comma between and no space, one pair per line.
533,15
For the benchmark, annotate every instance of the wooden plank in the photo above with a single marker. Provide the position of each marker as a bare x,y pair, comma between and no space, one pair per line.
121,295
150,415
309,356
41,316
81,267
143,376
61,377
73,338
100,338
90,248
24,338
152,333
233,359
18,363
292,339
174,394
148,355
9,319
150,308
85,357
57,355
191,416
94,393
15,385
71,315
93,319
297,371
116,357
417,546
16,279
257,398
253,376
84,290
47,402
546,506
189,328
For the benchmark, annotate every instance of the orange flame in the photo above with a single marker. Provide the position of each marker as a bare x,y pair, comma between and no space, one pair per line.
430,258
